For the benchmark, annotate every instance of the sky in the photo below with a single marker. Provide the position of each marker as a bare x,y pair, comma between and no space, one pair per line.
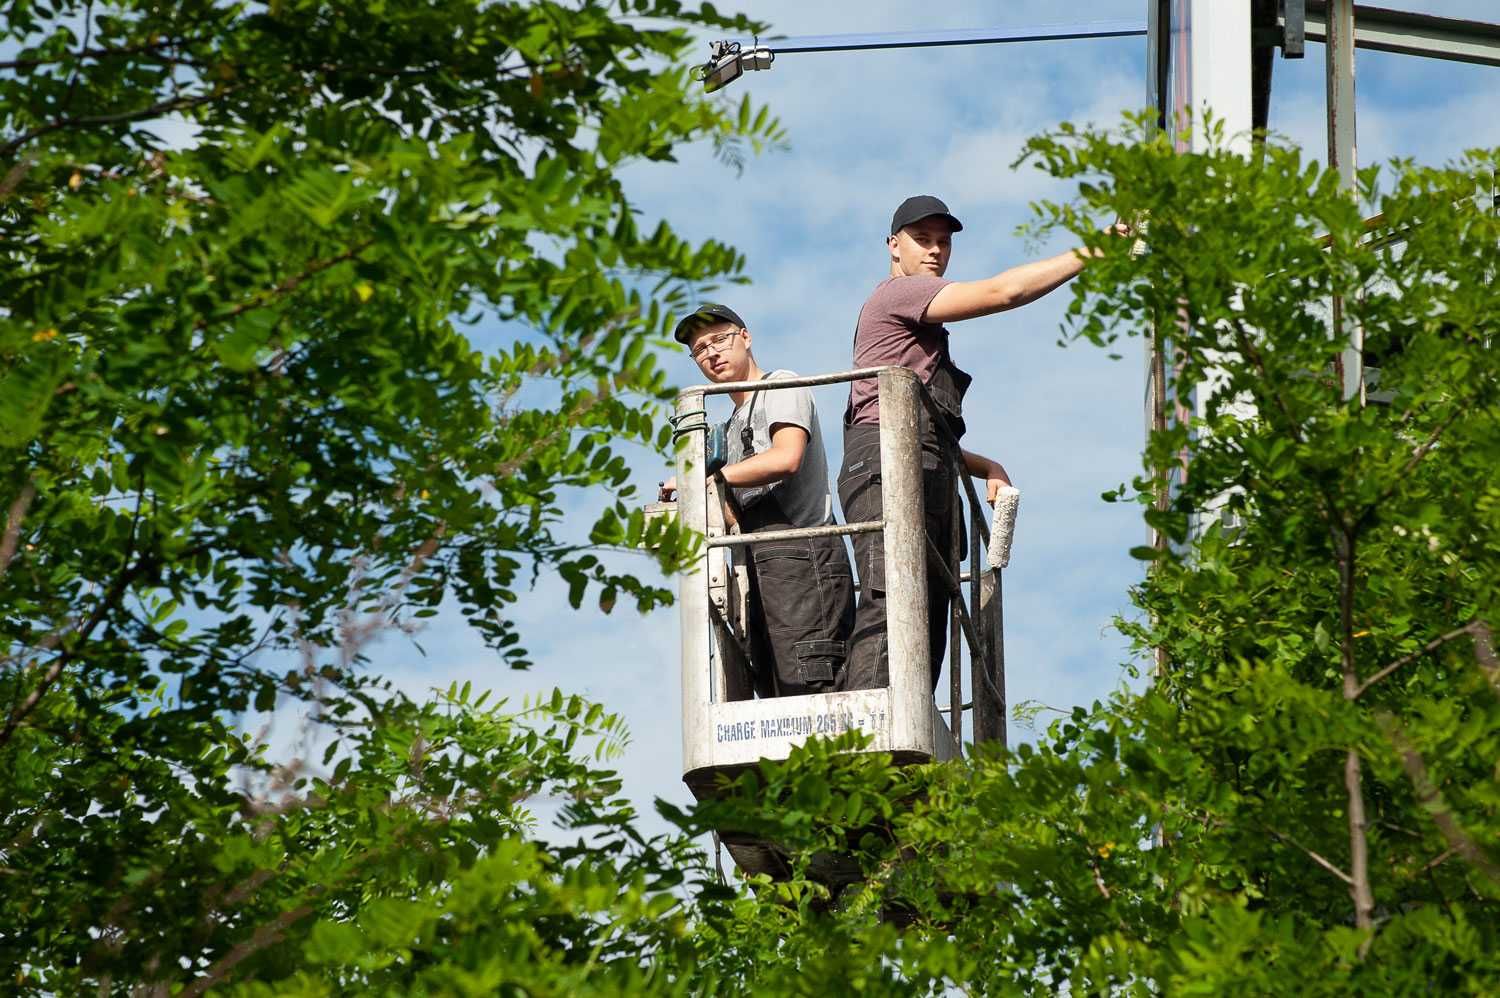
866,130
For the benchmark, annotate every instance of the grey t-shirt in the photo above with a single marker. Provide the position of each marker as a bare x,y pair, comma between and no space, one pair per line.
804,496
891,331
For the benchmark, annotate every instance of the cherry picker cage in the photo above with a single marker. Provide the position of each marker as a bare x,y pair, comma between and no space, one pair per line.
724,728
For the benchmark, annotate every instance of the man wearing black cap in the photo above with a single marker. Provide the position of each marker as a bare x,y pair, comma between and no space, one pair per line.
801,590
901,323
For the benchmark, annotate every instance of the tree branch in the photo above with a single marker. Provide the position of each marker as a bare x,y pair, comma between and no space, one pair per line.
1438,860
1359,844
1247,347
264,936
1099,879
1431,441
88,53
289,285
1315,857
1359,848
1431,799
111,598
155,110
80,633
15,175
274,931
1484,651
88,36
1411,464
11,539
1469,628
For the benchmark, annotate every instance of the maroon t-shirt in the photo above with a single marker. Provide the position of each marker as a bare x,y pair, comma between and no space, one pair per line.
891,332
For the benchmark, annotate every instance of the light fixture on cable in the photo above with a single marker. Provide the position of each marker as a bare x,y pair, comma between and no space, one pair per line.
728,61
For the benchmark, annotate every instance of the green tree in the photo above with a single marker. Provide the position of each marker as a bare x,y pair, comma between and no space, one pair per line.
239,419
1331,634
243,426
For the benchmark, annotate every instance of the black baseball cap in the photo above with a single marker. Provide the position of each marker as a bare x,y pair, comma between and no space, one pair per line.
707,314
914,209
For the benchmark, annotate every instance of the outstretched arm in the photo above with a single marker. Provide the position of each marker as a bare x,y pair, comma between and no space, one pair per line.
1010,288
1006,290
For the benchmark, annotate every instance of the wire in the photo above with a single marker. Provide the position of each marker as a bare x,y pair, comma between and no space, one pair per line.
679,430
968,36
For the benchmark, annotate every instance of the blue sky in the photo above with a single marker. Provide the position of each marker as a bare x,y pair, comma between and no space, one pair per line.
866,130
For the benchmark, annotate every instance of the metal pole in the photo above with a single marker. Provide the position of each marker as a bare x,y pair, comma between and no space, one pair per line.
956,637
692,591
801,381
992,630
795,533
1162,478
905,557
1342,157
1409,33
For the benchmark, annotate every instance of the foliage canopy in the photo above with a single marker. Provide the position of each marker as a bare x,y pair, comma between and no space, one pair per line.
244,425
237,417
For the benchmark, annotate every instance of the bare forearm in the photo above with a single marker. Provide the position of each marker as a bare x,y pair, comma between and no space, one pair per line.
986,468
1030,281
761,469
1007,290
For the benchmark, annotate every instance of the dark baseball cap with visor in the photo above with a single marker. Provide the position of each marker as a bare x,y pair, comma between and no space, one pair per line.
914,209
707,314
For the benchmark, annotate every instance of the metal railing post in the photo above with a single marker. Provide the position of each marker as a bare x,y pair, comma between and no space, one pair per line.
989,672
905,552
692,593
956,636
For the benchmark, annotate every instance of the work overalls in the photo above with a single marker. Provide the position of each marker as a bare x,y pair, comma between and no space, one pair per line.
860,495
801,597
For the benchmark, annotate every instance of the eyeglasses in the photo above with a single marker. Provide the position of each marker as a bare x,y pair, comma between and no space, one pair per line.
716,343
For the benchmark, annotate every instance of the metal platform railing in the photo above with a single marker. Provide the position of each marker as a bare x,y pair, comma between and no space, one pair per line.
715,657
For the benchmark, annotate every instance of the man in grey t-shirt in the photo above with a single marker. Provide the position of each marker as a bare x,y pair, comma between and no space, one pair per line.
801,590
803,496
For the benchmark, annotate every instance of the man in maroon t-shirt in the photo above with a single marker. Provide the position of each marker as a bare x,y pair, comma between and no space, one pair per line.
901,323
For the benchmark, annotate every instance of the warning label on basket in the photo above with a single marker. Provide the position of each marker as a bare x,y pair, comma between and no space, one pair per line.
798,725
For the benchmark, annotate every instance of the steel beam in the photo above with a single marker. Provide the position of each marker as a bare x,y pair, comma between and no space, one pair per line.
1293,28
1158,58
1384,30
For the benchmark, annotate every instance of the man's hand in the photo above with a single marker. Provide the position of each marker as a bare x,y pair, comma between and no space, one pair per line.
667,492
994,483
992,471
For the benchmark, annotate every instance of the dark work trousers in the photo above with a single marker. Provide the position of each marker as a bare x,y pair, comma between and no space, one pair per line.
801,606
860,494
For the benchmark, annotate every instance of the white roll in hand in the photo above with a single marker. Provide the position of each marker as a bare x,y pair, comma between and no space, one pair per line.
1007,502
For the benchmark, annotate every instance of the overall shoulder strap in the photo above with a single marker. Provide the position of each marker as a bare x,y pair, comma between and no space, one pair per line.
747,431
